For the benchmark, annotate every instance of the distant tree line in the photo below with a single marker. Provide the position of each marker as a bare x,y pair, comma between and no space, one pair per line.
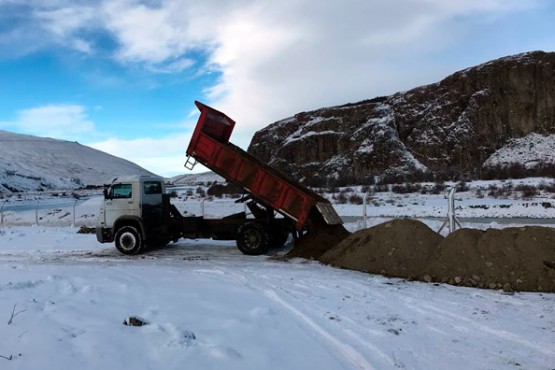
497,172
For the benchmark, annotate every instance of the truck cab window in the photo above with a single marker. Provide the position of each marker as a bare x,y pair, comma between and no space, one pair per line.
152,187
120,191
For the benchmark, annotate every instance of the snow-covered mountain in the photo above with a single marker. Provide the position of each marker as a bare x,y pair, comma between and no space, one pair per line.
196,179
31,163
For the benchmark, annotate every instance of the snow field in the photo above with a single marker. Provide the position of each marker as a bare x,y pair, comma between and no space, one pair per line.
210,307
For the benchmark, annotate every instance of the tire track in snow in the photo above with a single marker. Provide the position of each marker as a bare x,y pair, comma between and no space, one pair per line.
268,289
347,351
428,308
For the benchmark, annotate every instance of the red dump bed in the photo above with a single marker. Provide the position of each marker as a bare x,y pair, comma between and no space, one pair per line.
210,146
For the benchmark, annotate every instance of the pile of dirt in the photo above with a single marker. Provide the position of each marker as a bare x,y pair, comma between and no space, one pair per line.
513,259
520,259
401,248
318,240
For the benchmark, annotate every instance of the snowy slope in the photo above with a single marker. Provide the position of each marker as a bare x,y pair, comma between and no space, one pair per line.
196,179
529,151
29,163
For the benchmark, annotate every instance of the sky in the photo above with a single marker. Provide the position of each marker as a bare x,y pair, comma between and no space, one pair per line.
122,75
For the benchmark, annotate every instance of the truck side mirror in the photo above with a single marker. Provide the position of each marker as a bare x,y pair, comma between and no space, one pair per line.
106,194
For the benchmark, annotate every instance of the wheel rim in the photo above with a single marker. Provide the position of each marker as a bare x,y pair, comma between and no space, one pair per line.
128,241
252,239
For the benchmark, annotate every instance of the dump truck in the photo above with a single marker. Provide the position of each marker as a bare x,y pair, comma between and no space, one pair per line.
137,214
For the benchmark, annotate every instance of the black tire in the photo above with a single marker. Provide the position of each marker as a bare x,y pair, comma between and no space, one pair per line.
129,240
253,239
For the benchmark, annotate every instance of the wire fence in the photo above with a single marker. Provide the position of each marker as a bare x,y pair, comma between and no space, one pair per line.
47,212
444,212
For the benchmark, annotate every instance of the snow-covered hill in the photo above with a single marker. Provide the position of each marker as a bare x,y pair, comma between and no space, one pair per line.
530,151
30,163
196,179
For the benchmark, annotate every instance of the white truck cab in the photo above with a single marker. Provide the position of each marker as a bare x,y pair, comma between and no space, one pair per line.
131,213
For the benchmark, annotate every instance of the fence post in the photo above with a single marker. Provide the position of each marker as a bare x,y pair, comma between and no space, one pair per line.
74,203
2,214
37,213
364,211
451,221
451,210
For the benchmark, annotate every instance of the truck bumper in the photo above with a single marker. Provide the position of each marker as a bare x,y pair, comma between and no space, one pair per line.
104,234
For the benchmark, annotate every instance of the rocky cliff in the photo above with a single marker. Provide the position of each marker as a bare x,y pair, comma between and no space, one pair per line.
451,128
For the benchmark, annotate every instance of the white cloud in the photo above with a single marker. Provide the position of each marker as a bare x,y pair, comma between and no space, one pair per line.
283,57
276,58
64,24
144,33
163,156
279,58
61,121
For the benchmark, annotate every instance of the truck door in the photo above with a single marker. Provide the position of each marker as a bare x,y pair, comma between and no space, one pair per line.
152,203
121,201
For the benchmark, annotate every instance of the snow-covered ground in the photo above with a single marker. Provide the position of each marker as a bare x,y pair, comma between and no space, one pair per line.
210,307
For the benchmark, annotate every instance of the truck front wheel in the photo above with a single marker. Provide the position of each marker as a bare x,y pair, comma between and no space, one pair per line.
129,240
253,239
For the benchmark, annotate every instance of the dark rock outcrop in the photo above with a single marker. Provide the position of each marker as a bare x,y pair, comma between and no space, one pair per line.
450,127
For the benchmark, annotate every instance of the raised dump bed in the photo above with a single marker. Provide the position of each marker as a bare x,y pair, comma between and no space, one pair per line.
267,186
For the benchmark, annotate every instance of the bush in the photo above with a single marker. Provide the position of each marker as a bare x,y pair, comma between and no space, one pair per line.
366,189
503,192
550,188
528,191
546,170
517,171
406,188
439,187
200,191
341,197
219,190
462,186
333,189
356,199
381,188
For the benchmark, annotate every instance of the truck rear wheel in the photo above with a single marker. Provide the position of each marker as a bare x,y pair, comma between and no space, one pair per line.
253,239
129,240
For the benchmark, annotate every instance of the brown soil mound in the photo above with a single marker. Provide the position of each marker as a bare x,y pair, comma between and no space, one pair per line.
317,241
401,248
512,258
